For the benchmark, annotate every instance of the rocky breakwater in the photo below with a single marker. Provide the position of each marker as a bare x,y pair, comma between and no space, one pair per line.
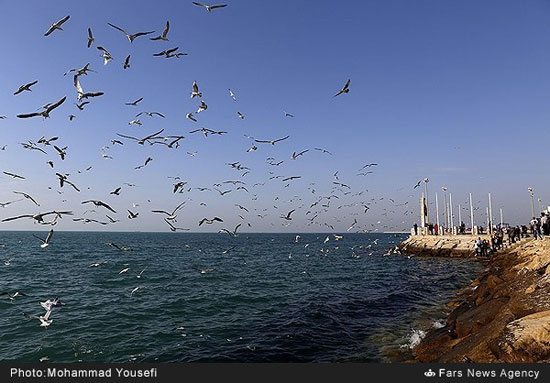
440,246
503,316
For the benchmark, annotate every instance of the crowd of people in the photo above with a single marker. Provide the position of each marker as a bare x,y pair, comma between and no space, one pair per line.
538,228
501,236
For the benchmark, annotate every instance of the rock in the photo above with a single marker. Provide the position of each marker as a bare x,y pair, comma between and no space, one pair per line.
531,289
527,339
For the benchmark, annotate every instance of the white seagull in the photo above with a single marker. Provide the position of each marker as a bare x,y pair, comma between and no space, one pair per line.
57,25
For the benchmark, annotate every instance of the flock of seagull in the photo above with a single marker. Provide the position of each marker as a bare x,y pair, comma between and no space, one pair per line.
316,211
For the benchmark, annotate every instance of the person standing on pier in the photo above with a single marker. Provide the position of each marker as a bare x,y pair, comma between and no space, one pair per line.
545,224
415,227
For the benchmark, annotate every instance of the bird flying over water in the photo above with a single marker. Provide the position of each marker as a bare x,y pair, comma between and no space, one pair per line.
99,204
45,242
210,221
27,197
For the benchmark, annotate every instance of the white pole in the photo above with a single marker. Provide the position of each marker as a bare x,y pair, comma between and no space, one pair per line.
490,214
427,206
501,221
445,209
487,214
472,214
459,215
451,214
437,210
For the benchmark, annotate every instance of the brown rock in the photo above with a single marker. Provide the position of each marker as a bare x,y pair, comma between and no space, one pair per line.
527,339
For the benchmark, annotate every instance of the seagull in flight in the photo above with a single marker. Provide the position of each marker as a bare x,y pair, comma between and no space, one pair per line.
190,117
106,55
345,89
288,114
57,25
164,33
38,217
26,87
131,38
13,175
132,215
170,216
231,233
296,155
126,63
151,114
100,204
167,53
46,112
210,221
45,242
232,95
287,217
209,8
134,103
63,180
90,37
27,197
272,142
141,141
323,151
149,159
195,92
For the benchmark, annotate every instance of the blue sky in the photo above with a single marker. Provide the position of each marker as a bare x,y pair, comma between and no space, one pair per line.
453,91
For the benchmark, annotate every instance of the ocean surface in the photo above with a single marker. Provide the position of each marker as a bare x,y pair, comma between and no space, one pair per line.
268,298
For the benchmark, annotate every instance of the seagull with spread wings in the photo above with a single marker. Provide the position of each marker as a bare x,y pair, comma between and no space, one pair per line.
44,113
63,180
56,25
164,33
345,89
26,87
106,55
170,216
209,8
91,37
272,142
38,217
134,103
27,197
131,37
45,242
210,221
99,204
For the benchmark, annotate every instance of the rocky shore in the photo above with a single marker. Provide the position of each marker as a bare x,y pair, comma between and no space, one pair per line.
502,316
440,246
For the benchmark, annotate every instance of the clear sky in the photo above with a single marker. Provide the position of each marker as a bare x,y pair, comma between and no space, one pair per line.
454,91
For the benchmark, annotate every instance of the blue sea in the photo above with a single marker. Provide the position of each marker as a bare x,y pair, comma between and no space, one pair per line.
212,297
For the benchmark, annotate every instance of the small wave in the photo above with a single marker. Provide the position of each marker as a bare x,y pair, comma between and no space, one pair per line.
413,339
438,323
